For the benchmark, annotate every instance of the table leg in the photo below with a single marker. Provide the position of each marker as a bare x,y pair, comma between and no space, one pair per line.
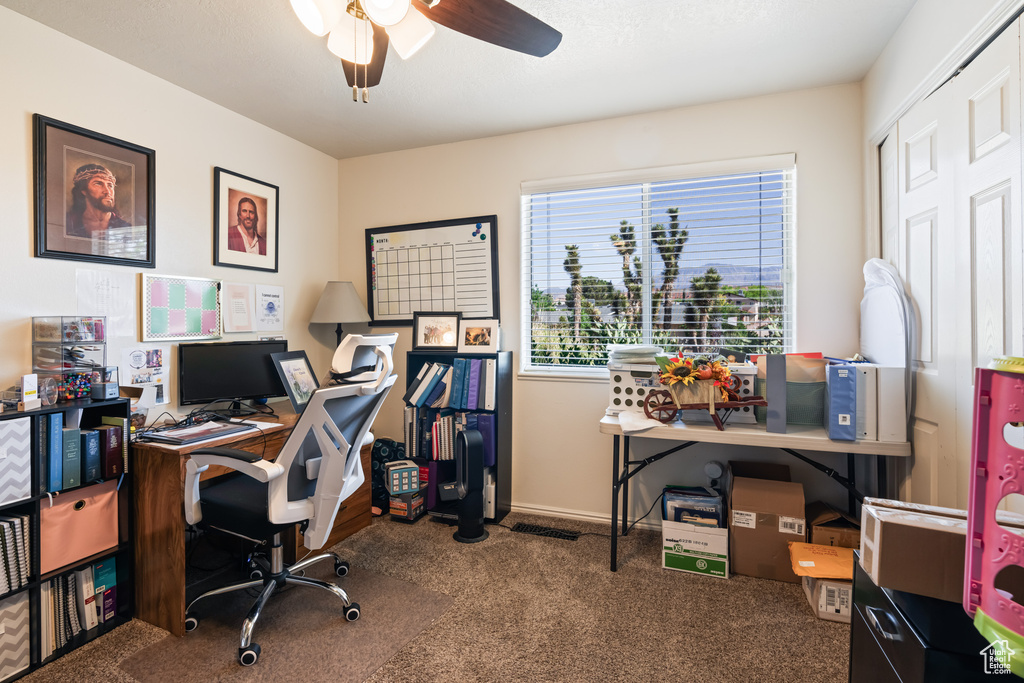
625,486
615,500
882,463
851,475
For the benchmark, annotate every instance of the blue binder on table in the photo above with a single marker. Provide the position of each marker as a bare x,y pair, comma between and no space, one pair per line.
841,398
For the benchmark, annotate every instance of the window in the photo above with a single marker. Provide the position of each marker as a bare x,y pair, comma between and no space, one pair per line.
692,257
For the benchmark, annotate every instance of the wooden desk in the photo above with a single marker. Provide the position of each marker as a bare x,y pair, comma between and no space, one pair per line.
159,479
796,437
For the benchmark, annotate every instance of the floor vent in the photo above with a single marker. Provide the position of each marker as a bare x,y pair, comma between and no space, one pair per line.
548,531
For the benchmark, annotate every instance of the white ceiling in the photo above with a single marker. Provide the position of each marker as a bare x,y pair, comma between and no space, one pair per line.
617,57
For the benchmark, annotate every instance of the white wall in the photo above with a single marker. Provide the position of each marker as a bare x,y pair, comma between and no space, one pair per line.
43,71
560,461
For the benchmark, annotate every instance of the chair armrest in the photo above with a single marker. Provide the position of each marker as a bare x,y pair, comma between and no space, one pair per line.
249,464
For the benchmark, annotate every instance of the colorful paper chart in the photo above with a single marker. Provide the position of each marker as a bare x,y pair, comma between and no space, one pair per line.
176,307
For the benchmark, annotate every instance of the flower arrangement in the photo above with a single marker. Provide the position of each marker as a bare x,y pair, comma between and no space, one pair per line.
682,371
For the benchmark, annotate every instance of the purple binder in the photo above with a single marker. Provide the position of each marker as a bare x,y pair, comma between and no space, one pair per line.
474,384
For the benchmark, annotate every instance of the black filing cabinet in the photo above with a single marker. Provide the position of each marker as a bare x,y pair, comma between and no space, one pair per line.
905,638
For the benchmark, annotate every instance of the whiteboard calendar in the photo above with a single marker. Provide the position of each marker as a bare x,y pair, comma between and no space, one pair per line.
438,266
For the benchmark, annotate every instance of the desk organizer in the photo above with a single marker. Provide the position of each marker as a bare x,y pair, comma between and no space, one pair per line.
996,471
69,349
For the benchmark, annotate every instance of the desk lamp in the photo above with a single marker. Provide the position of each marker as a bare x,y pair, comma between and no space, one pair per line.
339,303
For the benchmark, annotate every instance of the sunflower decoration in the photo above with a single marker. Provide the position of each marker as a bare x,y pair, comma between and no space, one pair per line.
689,369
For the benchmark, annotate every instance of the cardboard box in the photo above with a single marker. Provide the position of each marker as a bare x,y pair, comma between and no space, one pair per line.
920,548
696,549
829,598
764,514
407,507
828,526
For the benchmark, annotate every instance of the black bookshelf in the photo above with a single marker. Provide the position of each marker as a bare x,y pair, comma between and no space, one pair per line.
502,420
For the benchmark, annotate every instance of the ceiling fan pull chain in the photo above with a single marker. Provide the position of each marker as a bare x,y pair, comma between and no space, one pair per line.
355,67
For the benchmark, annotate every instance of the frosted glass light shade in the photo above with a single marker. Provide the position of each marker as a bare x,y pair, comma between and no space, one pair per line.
385,12
411,33
318,15
352,40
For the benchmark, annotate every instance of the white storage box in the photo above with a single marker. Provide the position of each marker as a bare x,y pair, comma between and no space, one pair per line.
14,636
15,460
628,386
695,549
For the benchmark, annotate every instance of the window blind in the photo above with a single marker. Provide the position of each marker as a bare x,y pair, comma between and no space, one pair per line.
695,258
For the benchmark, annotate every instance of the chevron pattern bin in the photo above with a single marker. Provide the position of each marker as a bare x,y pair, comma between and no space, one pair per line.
15,460
14,637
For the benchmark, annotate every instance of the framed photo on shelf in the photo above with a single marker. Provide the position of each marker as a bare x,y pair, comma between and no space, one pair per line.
431,330
94,196
478,336
297,377
245,216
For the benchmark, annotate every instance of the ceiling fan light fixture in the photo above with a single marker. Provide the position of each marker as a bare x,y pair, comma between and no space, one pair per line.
351,39
410,34
385,12
318,15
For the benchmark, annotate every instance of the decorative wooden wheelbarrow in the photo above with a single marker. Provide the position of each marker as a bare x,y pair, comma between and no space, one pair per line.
664,405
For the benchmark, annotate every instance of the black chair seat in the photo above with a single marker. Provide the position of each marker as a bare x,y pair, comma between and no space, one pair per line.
238,504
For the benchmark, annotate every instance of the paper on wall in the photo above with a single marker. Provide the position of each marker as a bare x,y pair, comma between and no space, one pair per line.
269,308
147,366
237,307
109,293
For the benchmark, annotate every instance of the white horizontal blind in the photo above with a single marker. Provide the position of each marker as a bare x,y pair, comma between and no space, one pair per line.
697,261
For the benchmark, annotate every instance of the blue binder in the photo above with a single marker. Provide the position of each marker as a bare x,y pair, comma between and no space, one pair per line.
841,397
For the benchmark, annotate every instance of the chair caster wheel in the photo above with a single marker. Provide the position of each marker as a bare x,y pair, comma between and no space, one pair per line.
352,612
191,623
255,570
341,568
247,656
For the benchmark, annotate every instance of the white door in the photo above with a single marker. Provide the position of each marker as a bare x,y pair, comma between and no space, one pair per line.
958,248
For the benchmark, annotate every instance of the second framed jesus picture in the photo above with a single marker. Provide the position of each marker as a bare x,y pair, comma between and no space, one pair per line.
245,230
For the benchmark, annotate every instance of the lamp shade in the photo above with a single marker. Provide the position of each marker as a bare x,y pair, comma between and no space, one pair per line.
385,12
410,34
340,303
351,39
319,16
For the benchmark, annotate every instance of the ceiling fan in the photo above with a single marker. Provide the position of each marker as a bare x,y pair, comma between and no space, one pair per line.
361,30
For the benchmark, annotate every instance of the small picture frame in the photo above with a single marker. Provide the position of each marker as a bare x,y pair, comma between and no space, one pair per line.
432,330
478,335
245,221
297,376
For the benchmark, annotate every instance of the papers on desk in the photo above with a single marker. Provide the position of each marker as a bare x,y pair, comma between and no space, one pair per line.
634,423
210,430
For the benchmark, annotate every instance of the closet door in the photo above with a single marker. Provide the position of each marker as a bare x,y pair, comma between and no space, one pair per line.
926,262
959,251
986,96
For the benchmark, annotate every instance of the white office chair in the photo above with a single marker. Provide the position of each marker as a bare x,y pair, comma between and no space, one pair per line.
318,467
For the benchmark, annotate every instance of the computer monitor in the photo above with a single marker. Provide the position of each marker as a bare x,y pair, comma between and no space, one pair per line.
228,371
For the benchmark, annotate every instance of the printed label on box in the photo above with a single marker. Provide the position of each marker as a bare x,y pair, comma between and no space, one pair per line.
791,525
744,519
835,600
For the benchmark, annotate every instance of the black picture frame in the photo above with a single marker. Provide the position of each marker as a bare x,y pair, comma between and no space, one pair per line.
95,196
445,333
233,192
461,256
297,376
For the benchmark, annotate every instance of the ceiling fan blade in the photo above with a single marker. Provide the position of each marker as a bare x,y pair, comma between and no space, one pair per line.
496,22
355,74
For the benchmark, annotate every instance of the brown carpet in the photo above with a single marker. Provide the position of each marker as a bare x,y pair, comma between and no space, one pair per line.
300,629
522,608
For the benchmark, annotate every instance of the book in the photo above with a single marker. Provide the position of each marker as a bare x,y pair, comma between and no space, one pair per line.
109,603
464,404
110,437
19,525
458,373
424,384
104,576
71,608
200,432
472,396
126,434
409,416
46,645
72,462
491,372
429,382
55,444
90,456
434,399
415,383
40,454
482,389
85,598
7,573
444,401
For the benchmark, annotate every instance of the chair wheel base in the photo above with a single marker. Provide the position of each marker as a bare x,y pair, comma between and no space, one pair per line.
247,656
352,612
191,623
